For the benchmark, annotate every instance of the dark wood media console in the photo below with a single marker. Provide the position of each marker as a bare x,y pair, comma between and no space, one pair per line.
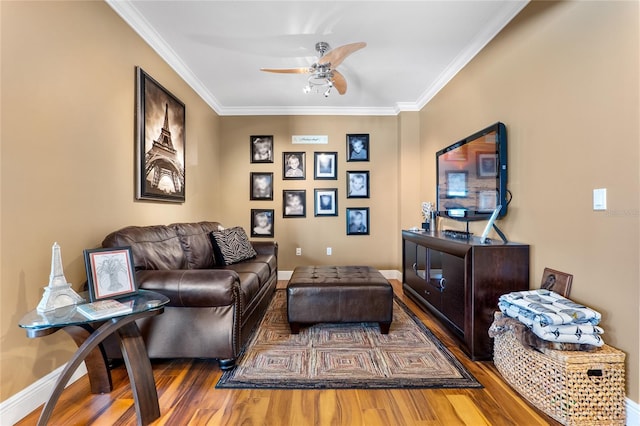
460,280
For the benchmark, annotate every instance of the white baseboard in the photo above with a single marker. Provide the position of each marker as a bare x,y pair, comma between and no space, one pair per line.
18,406
633,413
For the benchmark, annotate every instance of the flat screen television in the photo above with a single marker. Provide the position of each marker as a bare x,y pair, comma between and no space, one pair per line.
472,176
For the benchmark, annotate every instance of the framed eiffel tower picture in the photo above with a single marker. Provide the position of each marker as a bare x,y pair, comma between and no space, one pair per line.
160,142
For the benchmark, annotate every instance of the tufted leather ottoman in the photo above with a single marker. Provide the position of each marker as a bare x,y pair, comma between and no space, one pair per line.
338,294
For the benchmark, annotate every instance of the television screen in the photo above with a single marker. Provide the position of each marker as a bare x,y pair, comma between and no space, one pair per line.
472,175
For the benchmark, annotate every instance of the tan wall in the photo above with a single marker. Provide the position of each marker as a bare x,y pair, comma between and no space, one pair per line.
67,158
315,234
563,77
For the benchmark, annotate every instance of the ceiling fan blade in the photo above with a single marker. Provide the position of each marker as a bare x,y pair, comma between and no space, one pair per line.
301,70
337,55
339,82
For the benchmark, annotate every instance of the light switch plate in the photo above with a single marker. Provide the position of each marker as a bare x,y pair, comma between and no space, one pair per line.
600,199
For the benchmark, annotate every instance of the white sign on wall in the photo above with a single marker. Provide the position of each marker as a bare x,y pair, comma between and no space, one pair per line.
310,139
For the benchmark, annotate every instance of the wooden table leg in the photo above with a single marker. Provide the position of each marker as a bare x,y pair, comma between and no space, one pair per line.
96,360
140,373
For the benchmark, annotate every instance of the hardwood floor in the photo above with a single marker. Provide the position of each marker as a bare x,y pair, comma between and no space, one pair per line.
187,395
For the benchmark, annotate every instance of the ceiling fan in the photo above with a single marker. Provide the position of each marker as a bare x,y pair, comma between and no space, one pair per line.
323,74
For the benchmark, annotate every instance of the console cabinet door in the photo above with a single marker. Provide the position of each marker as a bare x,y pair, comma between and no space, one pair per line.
453,291
412,269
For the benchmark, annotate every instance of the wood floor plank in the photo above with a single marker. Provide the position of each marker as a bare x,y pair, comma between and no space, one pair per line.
187,396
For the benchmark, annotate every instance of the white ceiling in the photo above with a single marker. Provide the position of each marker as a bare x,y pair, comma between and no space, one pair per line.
413,49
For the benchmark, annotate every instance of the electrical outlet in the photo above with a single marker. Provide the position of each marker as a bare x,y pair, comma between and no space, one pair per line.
329,251
298,251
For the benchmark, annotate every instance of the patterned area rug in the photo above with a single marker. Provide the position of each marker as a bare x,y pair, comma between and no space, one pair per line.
347,356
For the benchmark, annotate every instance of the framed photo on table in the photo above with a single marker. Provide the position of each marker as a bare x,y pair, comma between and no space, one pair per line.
160,142
110,273
559,282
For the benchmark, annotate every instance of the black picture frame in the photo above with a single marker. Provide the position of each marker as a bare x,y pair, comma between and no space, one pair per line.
291,171
487,165
325,165
160,142
262,223
358,147
294,203
357,219
457,184
261,186
261,148
325,201
357,184
110,273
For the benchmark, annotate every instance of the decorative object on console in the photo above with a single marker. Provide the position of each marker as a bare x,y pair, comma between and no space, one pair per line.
59,292
557,281
428,216
110,273
231,246
160,163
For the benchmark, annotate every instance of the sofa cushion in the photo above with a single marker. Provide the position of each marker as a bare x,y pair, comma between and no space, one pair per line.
232,245
260,269
196,244
153,247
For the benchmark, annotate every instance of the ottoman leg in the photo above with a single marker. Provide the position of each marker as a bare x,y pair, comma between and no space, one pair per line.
384,327
295,327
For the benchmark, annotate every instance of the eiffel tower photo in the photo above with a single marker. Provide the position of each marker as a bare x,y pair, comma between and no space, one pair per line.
161,174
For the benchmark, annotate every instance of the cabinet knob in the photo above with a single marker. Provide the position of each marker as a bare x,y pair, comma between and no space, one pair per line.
442,283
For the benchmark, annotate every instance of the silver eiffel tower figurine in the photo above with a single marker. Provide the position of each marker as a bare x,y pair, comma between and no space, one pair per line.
59,292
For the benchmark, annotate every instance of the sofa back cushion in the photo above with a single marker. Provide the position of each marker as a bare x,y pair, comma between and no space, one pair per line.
153,247
196,243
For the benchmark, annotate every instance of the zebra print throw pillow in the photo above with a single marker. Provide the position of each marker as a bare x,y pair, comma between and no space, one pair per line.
232,245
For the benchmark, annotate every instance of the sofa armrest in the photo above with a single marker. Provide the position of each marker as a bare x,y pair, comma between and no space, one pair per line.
193,287
265,247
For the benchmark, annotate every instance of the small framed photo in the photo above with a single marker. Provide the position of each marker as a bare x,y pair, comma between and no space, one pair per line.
487,164
261,149
293,165
262,223
294,203
358,147
559,282
457,184
358,221
261,186
325,165
357,184
110,273
326,202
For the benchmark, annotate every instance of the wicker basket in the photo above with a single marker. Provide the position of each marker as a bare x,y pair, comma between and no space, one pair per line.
573,387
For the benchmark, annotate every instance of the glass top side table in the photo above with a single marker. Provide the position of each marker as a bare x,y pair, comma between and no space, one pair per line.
89,334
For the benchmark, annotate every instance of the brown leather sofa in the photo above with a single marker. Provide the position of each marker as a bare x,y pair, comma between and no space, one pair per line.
212,308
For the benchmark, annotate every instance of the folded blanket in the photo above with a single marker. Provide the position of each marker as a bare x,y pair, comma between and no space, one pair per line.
585,334
545,308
